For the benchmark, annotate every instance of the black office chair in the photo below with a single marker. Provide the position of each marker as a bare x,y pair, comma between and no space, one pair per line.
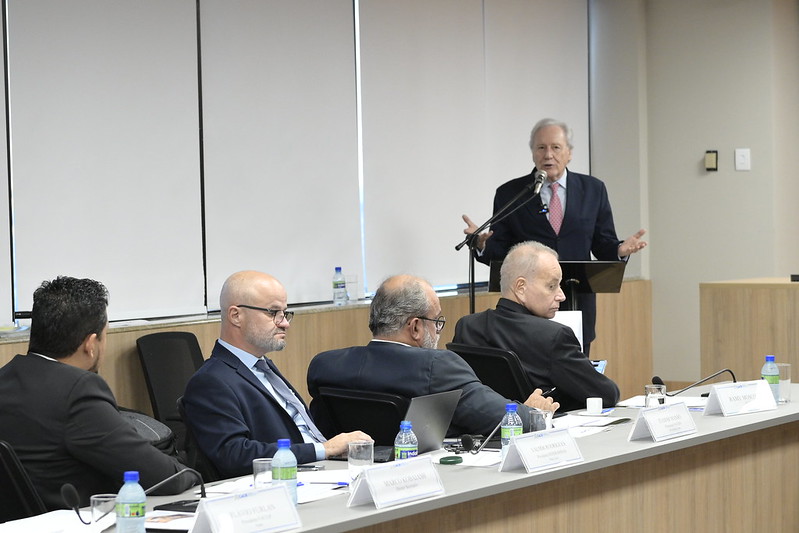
499,369
195,458
376,413
18,496
168,360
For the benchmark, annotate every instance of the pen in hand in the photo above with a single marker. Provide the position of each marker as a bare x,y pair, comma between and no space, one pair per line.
550,391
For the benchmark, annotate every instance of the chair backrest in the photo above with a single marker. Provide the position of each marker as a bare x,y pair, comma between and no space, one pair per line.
195,458
168,360
18,496
376,413
499,369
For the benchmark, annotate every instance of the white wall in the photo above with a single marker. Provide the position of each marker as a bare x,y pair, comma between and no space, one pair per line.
718,75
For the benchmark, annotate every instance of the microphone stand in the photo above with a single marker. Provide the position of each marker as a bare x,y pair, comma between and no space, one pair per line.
692,385
539,178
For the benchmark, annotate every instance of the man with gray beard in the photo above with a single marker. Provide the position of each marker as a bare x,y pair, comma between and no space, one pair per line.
238,404
405,320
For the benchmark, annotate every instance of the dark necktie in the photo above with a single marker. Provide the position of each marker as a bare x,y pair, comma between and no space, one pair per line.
295,407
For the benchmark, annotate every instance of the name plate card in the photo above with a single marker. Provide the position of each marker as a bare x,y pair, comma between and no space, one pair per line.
267,509
541,450
663,422
396,482
739,398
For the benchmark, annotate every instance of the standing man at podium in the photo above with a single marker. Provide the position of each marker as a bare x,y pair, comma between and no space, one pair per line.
572,215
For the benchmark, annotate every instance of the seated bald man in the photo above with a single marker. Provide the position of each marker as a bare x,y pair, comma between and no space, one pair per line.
549,352
238,404
402,359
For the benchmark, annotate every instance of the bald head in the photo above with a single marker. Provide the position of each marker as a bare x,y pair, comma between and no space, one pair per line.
397,306
531,276
253,330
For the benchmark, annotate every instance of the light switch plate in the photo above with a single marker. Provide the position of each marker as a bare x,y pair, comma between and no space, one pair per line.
743,159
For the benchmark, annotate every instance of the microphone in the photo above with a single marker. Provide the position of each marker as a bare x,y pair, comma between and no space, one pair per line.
173,476
657,381
70,496
540,177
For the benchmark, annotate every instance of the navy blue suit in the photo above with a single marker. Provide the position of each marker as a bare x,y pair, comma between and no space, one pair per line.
587,228
235,419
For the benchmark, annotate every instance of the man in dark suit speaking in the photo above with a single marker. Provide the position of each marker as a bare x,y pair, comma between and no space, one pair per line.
238,404
572,215
60,416
402,359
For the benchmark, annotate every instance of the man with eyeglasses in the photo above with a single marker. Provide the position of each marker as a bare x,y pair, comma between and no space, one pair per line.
238,404
402,359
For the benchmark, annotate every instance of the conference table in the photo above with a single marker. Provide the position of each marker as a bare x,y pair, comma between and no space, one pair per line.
736,473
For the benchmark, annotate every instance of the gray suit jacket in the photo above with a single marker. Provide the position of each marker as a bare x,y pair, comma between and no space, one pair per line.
410,371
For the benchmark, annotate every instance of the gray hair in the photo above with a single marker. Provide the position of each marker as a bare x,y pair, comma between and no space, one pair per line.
521,261
544,122
392,307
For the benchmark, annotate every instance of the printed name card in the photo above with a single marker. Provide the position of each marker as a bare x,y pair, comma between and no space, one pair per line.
268,509
541,450
739,398
663,422
396,482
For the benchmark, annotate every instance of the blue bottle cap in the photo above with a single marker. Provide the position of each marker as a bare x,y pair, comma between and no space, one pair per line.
770,358
131,475
406,424
283,443
510,407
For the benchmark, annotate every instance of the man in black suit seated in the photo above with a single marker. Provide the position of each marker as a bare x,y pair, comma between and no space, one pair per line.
238,404
549,351
402,359
60,416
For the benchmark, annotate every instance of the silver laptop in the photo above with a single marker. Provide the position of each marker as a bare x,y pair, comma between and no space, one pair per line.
430,416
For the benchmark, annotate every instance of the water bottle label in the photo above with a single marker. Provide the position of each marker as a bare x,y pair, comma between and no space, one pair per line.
772,379
506,432
281,473
339,284
130,510
405,452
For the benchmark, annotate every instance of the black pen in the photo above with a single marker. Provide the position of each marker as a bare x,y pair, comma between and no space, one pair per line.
550,391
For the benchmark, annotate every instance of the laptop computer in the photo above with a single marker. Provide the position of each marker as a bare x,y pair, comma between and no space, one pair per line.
431,416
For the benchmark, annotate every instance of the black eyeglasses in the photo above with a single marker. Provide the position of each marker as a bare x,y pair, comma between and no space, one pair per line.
277,314
440,321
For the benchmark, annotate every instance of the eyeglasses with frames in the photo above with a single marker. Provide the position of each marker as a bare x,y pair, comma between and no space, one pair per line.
439,321
277,314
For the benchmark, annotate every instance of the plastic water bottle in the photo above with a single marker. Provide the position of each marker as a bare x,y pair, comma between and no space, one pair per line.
284,468
339,288
130,505
405,445
511,425
771,374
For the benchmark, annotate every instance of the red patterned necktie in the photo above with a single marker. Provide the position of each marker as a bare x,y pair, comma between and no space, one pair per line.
555,209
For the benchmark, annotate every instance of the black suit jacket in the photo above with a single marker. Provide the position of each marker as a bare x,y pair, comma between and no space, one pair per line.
549,352
410,371
64,424
235,419
587,228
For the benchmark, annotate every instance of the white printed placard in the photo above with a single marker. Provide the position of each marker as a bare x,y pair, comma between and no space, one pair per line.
663,422
739,398
268,509
396,482
541,450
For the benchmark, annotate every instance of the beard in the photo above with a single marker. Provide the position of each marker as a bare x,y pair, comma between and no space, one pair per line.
430,341
265,340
